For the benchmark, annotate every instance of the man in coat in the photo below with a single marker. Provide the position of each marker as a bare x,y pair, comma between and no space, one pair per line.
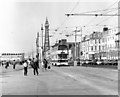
45,64
35,66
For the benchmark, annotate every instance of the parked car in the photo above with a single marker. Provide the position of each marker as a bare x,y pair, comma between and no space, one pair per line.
107,62
70,62
113,62
91,62
100,62
87,62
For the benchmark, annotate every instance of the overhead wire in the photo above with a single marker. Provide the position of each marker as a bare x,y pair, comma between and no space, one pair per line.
103,12
97,10
77,3
110,10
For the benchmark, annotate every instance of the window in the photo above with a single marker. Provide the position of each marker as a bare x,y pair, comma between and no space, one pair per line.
102,47
91,48
99,47
91,41
95,41
113,37
95,47
103,40
108,38
99,40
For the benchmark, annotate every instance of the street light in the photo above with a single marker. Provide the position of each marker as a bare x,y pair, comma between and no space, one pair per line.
75,61
42,43
37,46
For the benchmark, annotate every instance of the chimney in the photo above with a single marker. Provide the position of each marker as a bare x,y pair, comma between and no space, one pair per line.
105,29
59,41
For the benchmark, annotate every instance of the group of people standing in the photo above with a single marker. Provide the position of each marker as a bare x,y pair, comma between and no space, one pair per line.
34,63
7,63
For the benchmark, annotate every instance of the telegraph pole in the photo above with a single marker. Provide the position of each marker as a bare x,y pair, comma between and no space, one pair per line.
75,54
75,62
42,42
37,46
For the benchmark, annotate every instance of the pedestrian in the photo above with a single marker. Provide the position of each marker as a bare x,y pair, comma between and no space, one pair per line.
35,66
7,64
25,64
29,62
49,67
2,64
45,64
14,64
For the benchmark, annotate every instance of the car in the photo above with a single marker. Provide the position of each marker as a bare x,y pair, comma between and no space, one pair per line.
87,62
100,62
70,62
113,62
91,62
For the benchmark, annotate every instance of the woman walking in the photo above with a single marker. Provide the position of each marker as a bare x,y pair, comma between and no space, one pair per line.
34,65
25,64
45,64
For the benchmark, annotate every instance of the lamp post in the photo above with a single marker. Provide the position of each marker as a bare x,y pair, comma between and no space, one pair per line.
42,42
75,61
75,54
37,46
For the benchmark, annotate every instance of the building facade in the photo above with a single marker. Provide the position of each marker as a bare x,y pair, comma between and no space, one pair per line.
12,56
111,37
118,48
90,46
100,45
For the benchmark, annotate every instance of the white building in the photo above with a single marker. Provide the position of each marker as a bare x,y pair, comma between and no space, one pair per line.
12,56
108,45
100,45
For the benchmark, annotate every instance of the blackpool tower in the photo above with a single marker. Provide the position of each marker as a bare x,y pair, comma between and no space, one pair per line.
46,39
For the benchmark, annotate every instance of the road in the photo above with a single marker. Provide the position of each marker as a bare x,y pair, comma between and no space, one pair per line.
61,81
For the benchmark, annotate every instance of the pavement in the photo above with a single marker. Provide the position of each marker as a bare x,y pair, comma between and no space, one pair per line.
10,68
47,83
61,81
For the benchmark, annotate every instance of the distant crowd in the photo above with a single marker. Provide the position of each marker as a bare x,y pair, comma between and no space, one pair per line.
31,62
7,63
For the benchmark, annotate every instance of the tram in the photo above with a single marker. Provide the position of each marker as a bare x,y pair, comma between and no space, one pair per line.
60,56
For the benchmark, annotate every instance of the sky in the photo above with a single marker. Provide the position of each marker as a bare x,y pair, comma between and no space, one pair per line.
21,20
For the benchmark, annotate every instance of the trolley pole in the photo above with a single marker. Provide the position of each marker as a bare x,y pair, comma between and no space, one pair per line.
75,62
42,42
37,46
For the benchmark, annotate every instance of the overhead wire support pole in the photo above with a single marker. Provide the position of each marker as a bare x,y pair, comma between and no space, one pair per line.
75,62
92,14
42,43
37,46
